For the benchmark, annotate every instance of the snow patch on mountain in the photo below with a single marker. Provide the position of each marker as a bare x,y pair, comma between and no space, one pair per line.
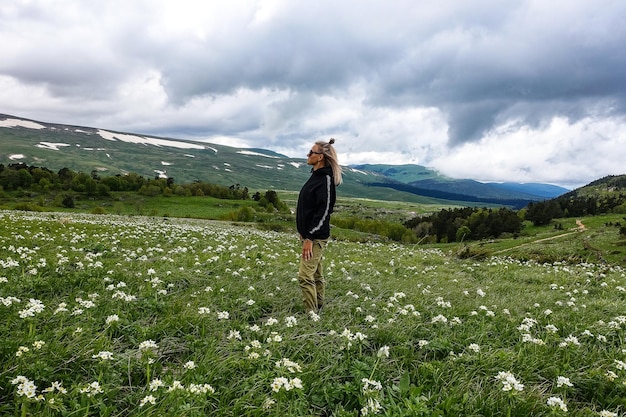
20,123
51,145
147,140
256,154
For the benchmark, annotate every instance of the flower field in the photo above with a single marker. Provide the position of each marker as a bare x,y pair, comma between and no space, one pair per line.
137,316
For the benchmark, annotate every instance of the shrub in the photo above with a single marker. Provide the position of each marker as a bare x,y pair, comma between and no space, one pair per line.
28,207
68,201
244,214
468,252
150,190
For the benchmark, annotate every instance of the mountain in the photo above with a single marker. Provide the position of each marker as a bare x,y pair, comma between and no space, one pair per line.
532,188
603,196
106,152
610,185
422,178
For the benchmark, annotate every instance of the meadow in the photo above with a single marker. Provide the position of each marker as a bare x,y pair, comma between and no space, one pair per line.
108,315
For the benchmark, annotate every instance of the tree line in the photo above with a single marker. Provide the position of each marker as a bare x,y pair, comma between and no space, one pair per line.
467,223
20,176
447,225
456,225
606,200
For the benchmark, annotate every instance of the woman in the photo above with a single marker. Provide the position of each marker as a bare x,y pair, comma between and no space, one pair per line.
315,204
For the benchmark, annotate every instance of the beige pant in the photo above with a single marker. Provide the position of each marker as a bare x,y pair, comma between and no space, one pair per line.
311,278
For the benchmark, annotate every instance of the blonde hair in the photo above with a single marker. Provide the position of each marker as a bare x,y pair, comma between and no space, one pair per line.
331,158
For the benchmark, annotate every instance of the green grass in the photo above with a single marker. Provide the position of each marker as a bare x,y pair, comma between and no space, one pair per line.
126,203
219,304
599,242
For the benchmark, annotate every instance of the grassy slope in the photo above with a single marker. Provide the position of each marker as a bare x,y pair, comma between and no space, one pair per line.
450,325
216,164
596,243
224,165
89,151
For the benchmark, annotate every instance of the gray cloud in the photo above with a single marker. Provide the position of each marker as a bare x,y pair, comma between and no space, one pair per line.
480,75
422,80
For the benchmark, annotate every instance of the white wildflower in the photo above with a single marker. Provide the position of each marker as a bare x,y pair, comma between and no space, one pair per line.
21,350
147,345
201,389
91,389
176,385
314,316
550,328
556,402
621,365
103,355
290,365
234,334
439,319
509,382
372,406
561,380
371,386
383,352
155,384
148,399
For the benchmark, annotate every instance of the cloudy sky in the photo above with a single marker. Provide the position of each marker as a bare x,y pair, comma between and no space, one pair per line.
516,90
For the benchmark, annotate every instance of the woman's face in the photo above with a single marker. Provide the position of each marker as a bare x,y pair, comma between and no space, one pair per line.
314,156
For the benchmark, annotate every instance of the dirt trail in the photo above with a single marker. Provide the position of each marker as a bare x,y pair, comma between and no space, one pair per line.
580,228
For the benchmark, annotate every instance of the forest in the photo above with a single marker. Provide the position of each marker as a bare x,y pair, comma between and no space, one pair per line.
23,177
608,198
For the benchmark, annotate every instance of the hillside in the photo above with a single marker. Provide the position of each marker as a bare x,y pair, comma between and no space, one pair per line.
211,305
423,178
88,149
607,186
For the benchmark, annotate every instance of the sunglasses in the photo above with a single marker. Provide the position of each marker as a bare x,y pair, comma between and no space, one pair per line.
311,152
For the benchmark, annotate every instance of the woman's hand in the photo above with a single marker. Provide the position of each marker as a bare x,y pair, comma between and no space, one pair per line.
307,249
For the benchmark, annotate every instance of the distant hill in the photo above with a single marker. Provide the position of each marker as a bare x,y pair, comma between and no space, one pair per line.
107,152
425,181
606,186
603,196
533,189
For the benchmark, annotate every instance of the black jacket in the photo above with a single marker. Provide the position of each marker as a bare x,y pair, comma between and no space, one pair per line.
315,204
